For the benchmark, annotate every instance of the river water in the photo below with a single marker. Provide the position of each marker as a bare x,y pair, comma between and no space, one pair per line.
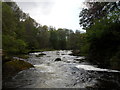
70,72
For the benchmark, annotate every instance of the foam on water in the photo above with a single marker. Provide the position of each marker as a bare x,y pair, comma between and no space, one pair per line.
92,68
45,68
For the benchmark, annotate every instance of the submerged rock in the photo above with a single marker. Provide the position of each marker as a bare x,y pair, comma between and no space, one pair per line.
58,59
80,59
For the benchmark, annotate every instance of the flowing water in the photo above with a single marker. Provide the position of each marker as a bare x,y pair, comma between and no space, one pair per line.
70,72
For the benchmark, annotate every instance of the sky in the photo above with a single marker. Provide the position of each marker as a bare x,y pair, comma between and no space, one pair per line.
56,13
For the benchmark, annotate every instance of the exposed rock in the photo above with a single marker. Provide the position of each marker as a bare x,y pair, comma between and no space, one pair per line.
41,54
75,53
57,59
12,67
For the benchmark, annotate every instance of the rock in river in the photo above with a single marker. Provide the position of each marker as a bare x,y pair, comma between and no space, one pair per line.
75,53
57,59
12,67
41,54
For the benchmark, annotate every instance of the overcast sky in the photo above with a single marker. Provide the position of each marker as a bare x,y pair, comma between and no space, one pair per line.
56,13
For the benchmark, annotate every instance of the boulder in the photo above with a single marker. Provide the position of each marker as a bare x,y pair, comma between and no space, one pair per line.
12,67
58,59
75,53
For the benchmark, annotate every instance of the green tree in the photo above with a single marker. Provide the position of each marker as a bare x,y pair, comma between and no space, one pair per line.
61,38
43,37
103,35
53,38
96,10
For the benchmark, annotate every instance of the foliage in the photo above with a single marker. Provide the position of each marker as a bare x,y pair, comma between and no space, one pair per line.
96,10
103,35
115,61
13,45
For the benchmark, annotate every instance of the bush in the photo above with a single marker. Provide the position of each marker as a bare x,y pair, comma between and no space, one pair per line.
115,61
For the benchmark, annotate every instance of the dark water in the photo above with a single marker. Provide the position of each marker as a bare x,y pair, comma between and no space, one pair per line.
70,72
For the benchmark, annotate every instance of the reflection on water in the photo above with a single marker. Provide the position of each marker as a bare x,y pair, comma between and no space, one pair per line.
70,72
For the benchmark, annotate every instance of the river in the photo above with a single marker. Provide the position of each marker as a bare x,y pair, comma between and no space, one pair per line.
70,72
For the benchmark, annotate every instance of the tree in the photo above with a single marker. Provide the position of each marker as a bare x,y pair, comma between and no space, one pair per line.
8,24
61,38
43,37
96,10
53,38
103,35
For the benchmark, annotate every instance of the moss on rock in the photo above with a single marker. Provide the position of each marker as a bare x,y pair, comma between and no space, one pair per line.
12,67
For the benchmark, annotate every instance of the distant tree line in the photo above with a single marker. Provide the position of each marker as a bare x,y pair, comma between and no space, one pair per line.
101,20
21,33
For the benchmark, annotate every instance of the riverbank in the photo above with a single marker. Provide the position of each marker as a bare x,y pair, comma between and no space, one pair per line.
112,63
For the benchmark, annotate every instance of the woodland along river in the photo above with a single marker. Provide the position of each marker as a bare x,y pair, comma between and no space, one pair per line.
70,72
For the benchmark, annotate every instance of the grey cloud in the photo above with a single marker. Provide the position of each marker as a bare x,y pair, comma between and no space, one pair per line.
27,5
45,6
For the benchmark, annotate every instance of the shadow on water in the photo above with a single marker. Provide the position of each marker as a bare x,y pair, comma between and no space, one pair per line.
109,80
